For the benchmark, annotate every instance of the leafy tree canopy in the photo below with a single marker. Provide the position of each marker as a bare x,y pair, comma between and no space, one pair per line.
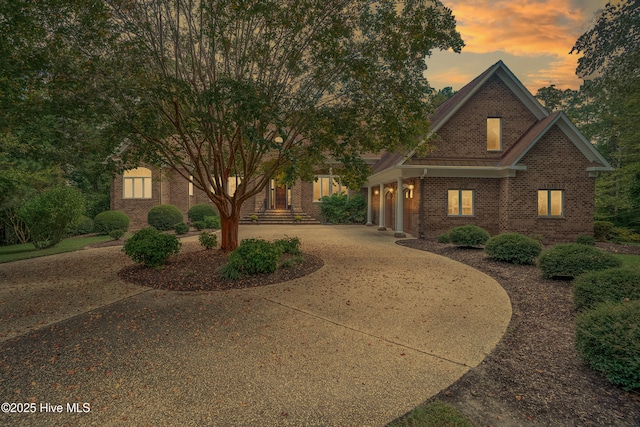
611,66
253,89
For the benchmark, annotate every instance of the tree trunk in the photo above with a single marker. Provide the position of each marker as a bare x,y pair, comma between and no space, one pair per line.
229,230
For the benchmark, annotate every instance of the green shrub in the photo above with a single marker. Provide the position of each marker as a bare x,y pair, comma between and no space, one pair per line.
212,222
538,237
116,234
105,222
229,272
198,212
164,217
601,230
586,240
181,228
622,235
50,214
198,225
444,238
514,248
84,225
612,285
255,256
608,340
289,262
208,240
288,245
150,247
572,259
341,209
468,236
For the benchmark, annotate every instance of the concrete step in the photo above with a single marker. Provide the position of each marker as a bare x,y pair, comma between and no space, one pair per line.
280,217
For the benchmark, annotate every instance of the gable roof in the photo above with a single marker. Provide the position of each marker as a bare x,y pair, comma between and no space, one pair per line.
518,150
448,108
511,157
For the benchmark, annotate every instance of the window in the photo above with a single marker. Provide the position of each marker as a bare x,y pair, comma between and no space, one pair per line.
191,185
137,183
326,185
551,203
460,202
232,184
494,134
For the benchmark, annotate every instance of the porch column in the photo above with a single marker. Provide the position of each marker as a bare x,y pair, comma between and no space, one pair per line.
399,209
381,222
369,201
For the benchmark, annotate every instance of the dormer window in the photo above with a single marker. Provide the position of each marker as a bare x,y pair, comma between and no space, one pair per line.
494,134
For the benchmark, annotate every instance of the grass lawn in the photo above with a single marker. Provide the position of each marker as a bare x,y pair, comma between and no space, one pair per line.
27,250
629,260
434,414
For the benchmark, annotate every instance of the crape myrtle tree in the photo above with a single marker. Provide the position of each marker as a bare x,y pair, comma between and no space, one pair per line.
611,66
243,91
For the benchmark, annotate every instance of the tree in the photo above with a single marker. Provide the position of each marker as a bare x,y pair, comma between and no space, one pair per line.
51,127
51,213
256,89
611,64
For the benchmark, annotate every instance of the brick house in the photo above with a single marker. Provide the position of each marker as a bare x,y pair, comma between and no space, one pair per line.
500,160
136,191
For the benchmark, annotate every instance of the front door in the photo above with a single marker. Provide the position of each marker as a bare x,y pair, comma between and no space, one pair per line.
281,197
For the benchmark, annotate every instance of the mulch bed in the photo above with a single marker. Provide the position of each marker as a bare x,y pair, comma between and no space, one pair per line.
198,271
534,376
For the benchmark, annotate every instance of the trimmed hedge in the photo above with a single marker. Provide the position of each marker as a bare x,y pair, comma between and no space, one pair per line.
200,211
612,285
150,247
468,236
105,222
164,217
573,259
514,248
608,340
212,222
444,238
181,228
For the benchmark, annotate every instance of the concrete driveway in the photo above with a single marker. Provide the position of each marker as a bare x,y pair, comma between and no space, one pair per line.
375,332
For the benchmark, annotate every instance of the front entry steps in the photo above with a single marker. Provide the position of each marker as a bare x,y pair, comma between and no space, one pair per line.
280,216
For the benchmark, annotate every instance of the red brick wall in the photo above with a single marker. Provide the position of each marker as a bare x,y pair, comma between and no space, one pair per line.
465,134
486,207
553,163
135,209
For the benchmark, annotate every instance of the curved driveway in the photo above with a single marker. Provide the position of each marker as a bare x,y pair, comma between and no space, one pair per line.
375,332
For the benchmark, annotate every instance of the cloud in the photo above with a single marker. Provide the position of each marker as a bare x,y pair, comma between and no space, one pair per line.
521,28
538,33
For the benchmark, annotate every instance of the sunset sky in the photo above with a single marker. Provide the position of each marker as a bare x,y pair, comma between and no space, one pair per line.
532,37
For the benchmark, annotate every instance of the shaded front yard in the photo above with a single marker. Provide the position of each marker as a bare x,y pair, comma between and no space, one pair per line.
534,375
